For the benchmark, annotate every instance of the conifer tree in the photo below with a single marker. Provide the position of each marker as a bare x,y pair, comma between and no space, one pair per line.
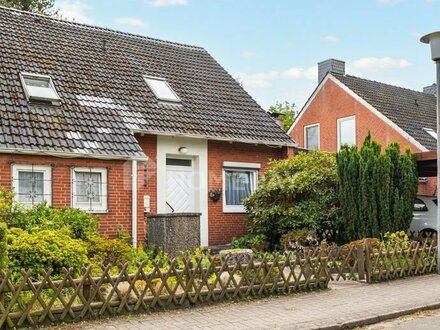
376,190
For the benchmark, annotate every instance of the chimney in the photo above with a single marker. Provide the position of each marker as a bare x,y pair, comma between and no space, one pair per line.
330,65
430,89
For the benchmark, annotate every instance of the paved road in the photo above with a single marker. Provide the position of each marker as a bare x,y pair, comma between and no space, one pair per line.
346,303
427,320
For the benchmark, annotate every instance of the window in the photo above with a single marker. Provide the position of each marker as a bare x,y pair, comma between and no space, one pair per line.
161,89
89,189
39,88
431,132
239,182
32,184
311,136
346,131
179,162
420,205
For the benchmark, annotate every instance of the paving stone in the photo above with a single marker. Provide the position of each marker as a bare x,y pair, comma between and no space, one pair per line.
298,311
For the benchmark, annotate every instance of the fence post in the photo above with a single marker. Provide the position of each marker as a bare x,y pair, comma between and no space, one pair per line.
361,262
368,260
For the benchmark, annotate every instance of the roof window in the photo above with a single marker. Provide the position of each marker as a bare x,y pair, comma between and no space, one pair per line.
161,89
39,88
431,132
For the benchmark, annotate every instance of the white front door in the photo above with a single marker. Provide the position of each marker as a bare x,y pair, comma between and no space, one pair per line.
180,195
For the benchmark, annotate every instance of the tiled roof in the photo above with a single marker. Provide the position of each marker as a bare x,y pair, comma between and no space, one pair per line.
412,111
98,74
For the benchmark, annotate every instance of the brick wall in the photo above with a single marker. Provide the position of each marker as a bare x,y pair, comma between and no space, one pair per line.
332,103
224,226
147,180
119,187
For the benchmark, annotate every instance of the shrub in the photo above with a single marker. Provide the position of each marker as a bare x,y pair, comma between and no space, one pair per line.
103,251
297,240
250,241
376,190
6,198
42,216
400,238
45,249
3,246
295,193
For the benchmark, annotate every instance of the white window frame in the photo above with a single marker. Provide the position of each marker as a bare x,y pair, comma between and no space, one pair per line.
30,97
319,135
238,167
47,177
177,100
102,207
338,125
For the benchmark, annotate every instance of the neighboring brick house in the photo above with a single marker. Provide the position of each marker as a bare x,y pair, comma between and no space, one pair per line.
343,108
89,115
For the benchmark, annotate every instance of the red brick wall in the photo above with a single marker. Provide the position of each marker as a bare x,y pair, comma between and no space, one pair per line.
119,187
223,227
147,179
332,103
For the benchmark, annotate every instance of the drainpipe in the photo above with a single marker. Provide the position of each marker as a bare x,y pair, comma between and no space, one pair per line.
134,203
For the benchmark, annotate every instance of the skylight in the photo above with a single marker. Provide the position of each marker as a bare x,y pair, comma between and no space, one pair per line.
161,89
39,88
431,132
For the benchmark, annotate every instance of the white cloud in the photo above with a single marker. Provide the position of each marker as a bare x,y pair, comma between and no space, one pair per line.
161,3
74,11
132,21
263,80
300,73
330,38
376,63
247,53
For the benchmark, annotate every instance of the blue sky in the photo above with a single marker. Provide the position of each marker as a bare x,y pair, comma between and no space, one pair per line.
273,45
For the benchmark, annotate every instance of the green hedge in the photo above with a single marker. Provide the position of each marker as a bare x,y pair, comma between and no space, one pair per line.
3,246
45,249
376,190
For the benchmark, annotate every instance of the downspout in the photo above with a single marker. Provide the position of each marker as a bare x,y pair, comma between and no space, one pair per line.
134,202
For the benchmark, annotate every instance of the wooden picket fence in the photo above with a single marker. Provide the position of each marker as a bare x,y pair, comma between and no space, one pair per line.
403,260
70,299
29,303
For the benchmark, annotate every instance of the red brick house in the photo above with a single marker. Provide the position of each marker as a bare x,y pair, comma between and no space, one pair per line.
121,125
343,108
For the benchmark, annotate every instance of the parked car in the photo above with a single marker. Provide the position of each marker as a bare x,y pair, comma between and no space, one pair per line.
425,215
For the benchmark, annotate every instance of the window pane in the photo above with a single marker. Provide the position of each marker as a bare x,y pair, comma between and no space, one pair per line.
88,187
39,87
420,205
162,89
34,82
178,162
30,187
238,186
346,132
312,137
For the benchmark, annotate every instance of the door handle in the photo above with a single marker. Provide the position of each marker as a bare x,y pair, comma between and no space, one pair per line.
172,208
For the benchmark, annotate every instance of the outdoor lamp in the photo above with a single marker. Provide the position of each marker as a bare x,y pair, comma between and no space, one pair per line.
433,39
183,150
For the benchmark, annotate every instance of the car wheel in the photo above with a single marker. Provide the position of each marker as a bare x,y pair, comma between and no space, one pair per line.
428,233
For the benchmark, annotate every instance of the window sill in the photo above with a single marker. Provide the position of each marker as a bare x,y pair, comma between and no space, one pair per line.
234,210
94,211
